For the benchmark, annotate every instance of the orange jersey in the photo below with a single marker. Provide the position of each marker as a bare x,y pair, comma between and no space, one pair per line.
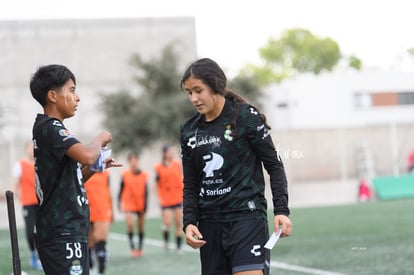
133,195
27,183
170,184
99,197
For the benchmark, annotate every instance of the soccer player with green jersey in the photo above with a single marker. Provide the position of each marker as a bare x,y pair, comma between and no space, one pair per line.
223,149
62,165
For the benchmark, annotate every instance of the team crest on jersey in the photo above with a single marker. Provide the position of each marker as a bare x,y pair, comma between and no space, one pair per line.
227,133
76,268
65,133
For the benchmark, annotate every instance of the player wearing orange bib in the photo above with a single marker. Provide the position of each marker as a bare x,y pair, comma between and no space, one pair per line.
101,216
133,200
24,185
170,193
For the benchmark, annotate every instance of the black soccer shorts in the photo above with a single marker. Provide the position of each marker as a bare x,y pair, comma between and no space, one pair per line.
234,246
70,258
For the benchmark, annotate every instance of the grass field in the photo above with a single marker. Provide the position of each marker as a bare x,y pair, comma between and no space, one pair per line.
369,238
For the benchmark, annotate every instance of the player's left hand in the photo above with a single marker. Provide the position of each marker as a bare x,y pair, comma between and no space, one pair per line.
284,221
110,162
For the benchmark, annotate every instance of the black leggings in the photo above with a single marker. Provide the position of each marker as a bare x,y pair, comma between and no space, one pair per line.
30,216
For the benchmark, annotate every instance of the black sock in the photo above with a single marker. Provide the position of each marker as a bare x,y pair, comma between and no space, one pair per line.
178,240
90,258
100,250
140,238
166,235
131,240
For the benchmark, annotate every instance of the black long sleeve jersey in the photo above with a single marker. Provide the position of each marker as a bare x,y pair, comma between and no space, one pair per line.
223,175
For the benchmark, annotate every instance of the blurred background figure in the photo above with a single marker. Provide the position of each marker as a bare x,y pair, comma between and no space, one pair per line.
169,180
101,216
364,193
133,197
410,162
25,190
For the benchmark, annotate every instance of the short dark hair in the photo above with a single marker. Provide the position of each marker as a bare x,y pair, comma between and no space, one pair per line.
165,148
133,154
49,77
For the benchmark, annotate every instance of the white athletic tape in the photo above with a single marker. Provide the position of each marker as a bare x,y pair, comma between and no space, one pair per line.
302,269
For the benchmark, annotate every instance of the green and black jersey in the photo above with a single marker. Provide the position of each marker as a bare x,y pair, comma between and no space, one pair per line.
64,211
223,175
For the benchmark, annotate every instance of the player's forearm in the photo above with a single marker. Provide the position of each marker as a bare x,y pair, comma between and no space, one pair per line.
87,173
84,154
278,181
190,205
278,184
90,152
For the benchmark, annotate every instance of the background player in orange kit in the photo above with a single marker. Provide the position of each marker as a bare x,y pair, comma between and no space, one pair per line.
169,180
133,196
101,216
24,186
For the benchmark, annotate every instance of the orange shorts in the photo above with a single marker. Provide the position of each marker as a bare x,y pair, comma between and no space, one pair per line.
99,197
100,214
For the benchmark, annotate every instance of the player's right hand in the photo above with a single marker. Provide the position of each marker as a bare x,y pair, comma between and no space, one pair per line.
285,223
105,138
193,236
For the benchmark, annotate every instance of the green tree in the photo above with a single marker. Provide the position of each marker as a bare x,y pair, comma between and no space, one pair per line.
355,62
155,114
296,51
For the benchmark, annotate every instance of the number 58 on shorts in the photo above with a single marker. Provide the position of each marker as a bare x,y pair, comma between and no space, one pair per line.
65,258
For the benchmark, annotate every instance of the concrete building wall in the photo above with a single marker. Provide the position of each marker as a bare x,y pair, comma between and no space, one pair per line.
328,100
97,51
332,154
320,129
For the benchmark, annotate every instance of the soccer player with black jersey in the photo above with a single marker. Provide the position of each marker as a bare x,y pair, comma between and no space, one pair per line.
62,165
223,149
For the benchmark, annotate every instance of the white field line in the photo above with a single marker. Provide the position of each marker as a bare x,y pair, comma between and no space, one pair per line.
280,265
302,269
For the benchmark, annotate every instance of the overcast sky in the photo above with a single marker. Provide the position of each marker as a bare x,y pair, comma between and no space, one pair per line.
232,31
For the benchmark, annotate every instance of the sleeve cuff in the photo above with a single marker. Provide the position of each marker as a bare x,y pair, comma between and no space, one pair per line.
285,212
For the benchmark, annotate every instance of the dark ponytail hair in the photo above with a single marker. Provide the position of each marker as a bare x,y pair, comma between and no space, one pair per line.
208,71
